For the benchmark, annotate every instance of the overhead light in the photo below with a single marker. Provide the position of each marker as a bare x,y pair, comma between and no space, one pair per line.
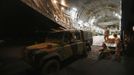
73,13
62,8
86,24
63,2
80,22
92,21
54,1
116,14
74,9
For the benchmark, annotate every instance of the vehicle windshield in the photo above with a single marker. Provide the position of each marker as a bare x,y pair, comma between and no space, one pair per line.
56,36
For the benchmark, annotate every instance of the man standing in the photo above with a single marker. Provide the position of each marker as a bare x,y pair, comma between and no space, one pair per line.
118,47
106,35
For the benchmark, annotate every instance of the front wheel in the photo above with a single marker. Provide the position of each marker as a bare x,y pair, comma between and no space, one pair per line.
50,67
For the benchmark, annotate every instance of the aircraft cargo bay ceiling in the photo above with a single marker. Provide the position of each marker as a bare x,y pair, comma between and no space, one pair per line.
94,15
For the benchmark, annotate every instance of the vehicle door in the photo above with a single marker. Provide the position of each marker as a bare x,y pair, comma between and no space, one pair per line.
79,42
66,49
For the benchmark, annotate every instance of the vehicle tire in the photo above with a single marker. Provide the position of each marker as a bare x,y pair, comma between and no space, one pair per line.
50,67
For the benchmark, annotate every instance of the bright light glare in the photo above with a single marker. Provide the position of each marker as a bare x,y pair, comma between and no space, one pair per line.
63,2
74,9
62,8
54,1
92,21
86,24
118,15
111,36
73,13
80,22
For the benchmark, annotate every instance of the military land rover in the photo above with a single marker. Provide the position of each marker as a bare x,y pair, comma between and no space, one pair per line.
57,47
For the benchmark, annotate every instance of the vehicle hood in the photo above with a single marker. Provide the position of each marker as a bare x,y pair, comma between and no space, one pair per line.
48,47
